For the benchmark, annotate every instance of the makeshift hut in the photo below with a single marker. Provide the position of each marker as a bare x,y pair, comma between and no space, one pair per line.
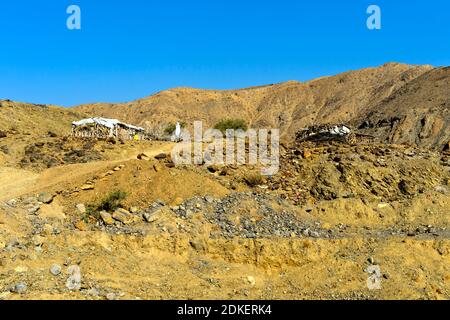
104,128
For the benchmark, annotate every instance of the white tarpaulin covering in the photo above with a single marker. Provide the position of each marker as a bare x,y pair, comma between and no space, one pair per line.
109,123
340,130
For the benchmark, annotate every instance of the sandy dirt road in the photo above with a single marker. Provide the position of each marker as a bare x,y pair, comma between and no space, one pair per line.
16,182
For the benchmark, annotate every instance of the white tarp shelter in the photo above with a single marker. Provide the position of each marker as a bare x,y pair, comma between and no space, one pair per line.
112,125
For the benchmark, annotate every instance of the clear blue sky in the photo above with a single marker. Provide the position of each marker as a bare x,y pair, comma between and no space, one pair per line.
131,49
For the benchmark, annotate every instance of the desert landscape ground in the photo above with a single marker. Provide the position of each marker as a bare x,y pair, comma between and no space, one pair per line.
84,218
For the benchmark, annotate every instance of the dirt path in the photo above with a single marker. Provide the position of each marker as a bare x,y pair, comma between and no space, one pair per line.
16,182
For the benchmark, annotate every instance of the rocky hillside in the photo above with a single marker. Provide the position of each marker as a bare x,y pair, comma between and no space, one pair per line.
404,94
35,119
24,126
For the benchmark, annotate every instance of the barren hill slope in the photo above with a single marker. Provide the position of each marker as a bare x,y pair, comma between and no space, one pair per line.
23,124
33,119
418,113
351,97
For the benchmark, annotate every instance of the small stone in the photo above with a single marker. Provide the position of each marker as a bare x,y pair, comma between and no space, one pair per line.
143,156
251,280
198,244
134,209
45,197
213,168
123,216
37,240
81,225
407,188
111,296
107,218
87,187
441,189
306,154
55,269
81,208
74,280
20,288
314,234
155,215
93,292
12,203
161,156
34,209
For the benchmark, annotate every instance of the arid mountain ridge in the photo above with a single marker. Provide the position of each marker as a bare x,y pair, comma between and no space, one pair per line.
397,103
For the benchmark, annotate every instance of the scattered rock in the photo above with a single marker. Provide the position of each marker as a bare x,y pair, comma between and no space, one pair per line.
106,218
38,240
134,209
213,168
81,225
74,280
441,189
306,154
94,292
251,280
87,187
161,156
111,296
123,216
34,209
407,188
81,208
20,288
12,203
3,134
155,215
198,245
143,156
55,269
46,197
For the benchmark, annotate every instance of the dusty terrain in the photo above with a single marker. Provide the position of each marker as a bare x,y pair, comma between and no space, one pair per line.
313,231
402,103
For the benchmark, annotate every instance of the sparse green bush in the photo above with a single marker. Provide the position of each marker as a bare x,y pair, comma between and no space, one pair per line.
110,203
235,124
172,126
254,179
